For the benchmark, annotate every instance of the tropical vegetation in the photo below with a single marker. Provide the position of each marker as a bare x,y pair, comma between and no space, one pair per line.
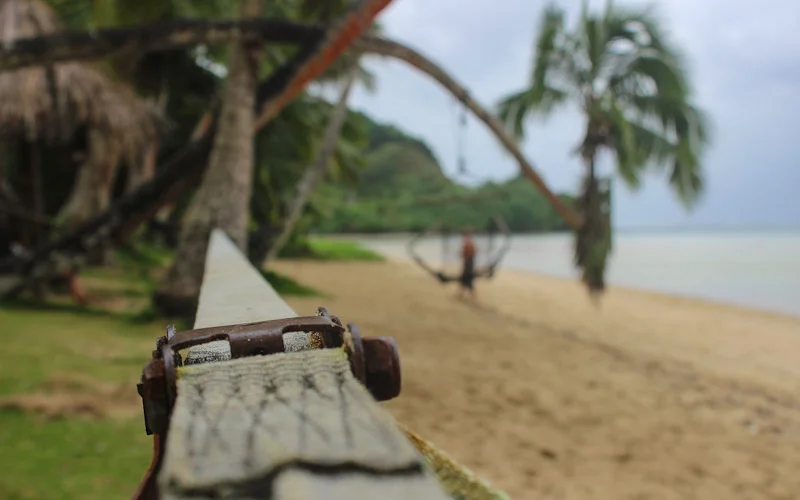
269,178
402,188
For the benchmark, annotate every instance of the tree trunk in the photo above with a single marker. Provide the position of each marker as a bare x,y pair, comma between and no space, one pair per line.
262,237
222,201
37,188
314,173
593,238
91,192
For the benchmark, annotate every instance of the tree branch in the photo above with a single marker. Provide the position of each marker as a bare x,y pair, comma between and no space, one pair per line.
161,36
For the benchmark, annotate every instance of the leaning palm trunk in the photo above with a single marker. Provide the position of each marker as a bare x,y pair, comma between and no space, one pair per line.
314,173
396,50
223,198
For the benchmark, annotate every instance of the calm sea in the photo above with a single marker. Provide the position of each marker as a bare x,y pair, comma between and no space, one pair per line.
756,269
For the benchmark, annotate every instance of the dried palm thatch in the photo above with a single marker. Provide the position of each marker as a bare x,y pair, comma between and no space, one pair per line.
51,103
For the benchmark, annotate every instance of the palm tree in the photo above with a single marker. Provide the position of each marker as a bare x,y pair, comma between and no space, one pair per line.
223,199
620,68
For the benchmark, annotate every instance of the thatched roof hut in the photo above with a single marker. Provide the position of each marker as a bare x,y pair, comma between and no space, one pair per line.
51,104
66,105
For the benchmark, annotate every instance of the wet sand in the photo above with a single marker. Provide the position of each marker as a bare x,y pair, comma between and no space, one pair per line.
547,396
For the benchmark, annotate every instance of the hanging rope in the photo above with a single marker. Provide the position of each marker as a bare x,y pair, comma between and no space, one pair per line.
462,133
491,229
460,113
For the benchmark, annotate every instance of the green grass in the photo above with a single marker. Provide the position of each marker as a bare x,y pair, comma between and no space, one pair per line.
287,286
67,456
340,250
39,344
71,458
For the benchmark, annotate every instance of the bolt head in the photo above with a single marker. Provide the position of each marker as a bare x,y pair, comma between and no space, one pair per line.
382,366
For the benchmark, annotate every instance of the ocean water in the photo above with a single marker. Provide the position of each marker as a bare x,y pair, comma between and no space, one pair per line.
760,270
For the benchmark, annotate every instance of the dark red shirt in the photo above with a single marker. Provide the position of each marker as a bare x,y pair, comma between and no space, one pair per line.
467,248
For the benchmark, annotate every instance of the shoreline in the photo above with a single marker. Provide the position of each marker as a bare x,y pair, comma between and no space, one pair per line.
666,295
746,270
791,230
633,289
547,396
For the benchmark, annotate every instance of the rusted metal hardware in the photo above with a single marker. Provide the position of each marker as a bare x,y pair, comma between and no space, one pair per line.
373,360
376,362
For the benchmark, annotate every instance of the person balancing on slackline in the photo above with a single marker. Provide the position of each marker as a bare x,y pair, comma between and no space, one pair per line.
467,278
469,270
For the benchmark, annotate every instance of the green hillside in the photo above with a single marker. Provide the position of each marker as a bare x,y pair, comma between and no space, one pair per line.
402,188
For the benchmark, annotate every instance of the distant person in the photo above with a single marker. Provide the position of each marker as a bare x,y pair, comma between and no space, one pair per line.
467,278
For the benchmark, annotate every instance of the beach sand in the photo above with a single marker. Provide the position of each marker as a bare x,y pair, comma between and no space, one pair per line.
547,396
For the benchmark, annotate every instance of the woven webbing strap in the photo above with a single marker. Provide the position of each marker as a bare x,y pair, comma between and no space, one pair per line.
458,481
237,425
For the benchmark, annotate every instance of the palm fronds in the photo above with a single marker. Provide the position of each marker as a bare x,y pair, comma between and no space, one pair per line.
620,67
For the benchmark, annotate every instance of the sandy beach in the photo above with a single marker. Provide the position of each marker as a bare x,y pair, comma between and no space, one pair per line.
547,396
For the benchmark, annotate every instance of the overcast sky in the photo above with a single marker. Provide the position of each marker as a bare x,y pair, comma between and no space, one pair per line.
745,62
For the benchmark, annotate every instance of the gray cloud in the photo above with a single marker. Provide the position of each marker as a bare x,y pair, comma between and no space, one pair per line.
744,57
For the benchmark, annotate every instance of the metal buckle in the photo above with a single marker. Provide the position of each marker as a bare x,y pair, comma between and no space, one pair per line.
374,361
